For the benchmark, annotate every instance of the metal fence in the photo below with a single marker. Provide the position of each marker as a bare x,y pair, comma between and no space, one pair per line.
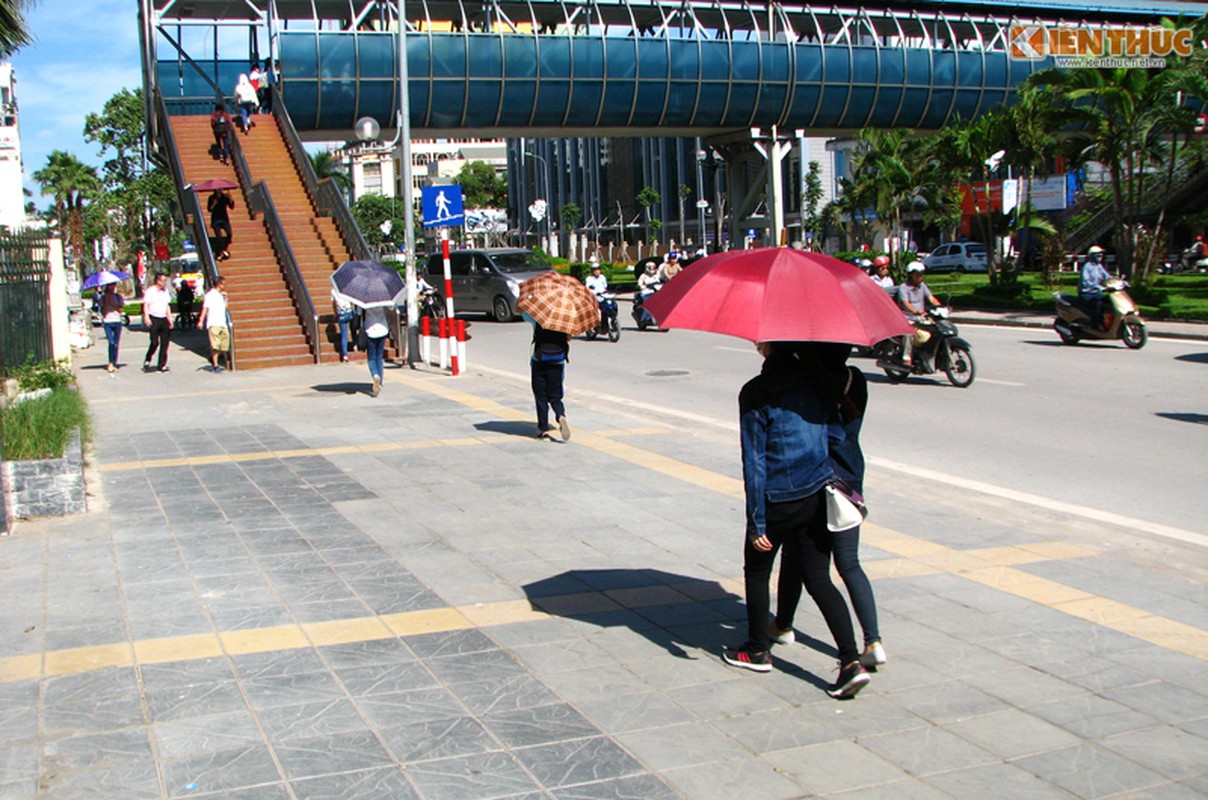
24,299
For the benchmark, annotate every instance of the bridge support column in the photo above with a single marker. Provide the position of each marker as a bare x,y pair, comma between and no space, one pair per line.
773,150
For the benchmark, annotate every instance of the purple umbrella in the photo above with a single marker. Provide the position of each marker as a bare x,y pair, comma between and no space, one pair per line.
103,278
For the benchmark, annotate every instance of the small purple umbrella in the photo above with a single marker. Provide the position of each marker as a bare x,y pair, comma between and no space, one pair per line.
103,278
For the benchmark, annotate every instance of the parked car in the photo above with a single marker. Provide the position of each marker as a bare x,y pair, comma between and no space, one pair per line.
957,256
485,280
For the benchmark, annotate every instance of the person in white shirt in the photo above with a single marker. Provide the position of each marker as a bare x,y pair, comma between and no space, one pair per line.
157,317
648,280
214,322
596,280
881,276
376,330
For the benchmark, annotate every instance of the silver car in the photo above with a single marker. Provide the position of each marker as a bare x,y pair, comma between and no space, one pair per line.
485,280
958,257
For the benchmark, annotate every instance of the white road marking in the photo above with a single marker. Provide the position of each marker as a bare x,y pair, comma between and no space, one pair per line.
1000,383
1086,512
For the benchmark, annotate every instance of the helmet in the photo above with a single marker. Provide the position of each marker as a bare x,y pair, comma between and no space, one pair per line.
881,261
673,254
651,266
1094,248
863,263
915,266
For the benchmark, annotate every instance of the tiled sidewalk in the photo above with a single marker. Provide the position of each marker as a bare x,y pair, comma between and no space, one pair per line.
286,588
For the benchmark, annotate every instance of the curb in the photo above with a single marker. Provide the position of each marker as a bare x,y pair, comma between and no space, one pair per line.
1155,329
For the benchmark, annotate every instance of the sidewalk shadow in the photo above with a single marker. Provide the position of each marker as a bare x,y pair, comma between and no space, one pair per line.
1193,358
525,430
347,387
1201,419
688,617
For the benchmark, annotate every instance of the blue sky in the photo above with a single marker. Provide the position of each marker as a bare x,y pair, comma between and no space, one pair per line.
85,51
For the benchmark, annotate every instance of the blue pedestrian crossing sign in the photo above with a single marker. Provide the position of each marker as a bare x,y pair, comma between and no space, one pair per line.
442,206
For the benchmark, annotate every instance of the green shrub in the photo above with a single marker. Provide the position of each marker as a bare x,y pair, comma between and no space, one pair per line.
40,427
42,375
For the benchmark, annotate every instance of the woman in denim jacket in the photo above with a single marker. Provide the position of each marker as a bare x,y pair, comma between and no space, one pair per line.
785,415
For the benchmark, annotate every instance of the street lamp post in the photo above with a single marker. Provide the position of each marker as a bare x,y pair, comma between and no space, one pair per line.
404,158
545,171
701,202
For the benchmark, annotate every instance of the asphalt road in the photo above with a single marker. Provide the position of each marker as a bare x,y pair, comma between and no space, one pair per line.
1091,429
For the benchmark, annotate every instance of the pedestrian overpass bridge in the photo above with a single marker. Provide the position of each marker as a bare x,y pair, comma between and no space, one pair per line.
616,67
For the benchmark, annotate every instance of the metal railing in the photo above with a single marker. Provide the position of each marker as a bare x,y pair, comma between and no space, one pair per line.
260,200
190,205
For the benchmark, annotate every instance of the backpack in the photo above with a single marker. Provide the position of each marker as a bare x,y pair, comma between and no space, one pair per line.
219,123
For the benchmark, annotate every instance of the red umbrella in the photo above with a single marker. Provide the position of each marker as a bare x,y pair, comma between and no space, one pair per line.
213,185
779,294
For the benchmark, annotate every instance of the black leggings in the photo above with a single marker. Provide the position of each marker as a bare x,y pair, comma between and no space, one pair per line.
161,334
800,526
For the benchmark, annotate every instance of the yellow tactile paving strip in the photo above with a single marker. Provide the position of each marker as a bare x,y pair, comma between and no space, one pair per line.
993,567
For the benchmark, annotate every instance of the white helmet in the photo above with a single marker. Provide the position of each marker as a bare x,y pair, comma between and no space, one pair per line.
1094,248
915,266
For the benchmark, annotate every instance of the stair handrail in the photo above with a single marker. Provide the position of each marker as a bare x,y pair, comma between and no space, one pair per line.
260,200
326,196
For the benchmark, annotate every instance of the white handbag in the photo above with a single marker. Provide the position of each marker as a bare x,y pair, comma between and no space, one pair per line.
845,507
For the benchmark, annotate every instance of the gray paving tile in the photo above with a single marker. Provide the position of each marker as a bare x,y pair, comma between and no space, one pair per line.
426,740
97,751
1090,771
1162,700
633,787
509,693
634,712
220,771
374,784
1013,733
680,746
192,735
97,715
947,702
278,663
334,753
401,708
131,781
1023,687
539,725
386,678
473,667
579,761
1169,751
268,691
737,778
113,682
268,791
484,776
997,780
928,751
197,700
311,719
449,643
770,731
1093,717
19,761
359,654
833,767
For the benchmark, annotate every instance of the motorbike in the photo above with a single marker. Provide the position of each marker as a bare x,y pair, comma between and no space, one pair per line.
1121,319
640,315
608,318
430,305
944,350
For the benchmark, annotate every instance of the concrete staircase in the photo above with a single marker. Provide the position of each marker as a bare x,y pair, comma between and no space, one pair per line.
268,330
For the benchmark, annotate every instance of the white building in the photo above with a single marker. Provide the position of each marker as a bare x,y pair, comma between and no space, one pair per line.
372,167
12,185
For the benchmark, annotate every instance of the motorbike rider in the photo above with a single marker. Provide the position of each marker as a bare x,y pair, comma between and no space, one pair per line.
915,298
670,267
596,280
648,281
1091,283
881,276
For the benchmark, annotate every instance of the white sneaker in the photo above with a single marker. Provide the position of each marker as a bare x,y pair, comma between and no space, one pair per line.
874,656
780,637
564,428
377,385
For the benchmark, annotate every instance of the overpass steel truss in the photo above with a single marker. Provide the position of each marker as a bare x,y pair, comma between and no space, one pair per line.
623,67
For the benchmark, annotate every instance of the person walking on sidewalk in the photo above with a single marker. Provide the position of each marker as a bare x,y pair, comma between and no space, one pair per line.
551,349
344,318
157,317
847,461
214,322
785,414
112,304
376,330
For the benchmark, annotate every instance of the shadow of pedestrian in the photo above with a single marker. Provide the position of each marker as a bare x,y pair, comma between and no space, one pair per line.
1201,419
525,430
689,617
348,387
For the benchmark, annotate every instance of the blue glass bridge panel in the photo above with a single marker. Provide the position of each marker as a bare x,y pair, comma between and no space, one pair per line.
618,100
837,62
712,103
587,54
715,61
555,57
485,57
518,98
376,55
620,60
520,57
649,107
652,58
585,102
684,64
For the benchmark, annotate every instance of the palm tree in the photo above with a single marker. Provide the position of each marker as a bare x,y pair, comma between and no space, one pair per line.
328,166
13,31
69,182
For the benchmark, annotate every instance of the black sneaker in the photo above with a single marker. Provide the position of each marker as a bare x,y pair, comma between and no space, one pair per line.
146,366
164,369
746,658
852,678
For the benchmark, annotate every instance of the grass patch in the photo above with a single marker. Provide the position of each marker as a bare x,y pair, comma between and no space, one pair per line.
40,427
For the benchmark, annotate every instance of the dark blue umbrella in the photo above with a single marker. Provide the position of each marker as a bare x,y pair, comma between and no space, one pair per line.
103,278
369,284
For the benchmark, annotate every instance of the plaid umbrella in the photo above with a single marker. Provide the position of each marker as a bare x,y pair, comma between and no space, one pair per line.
103,278
558,302
369,284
